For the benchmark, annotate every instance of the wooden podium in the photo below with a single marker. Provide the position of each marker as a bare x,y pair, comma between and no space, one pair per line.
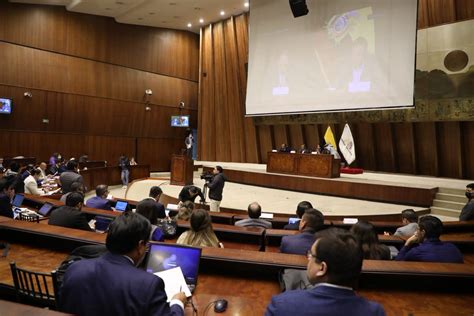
323,166
181,170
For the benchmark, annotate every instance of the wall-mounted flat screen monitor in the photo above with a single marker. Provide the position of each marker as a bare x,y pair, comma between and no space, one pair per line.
5,106
180,121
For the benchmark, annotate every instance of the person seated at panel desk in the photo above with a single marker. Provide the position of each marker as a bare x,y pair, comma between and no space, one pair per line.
304,150
100,200
312,221
70,215
410,224
302,206
284,148
255,211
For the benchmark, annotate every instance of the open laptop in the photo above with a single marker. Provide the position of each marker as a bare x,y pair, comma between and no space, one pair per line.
18,200
46,209
121,206
167,256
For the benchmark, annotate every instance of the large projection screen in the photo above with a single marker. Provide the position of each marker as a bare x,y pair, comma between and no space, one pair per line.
345,55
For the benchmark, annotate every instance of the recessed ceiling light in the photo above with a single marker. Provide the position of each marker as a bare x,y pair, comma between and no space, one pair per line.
246,4
201,20
222,12
151,13
189,25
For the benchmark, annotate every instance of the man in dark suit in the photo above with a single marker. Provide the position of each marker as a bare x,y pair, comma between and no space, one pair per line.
312,221
155,194
70,215
467,213
111,284
7,191
334,265
302,206
69,176
100,199
255,211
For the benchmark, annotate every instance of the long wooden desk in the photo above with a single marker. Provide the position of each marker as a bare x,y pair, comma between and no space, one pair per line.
323,166
112,175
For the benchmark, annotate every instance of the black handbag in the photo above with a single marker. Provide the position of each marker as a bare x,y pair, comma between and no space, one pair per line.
168,227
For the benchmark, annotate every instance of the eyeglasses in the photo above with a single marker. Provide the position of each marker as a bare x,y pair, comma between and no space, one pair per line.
310,255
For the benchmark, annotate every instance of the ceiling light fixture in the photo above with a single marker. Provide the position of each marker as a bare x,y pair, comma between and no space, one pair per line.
246,4
222,12
189,25
201,20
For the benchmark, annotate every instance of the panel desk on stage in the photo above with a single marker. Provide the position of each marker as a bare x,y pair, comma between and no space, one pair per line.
323,166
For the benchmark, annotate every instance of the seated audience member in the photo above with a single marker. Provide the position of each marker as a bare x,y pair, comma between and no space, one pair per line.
190,193
111,284
75,187
467,213
154,195
2,172
42,167
7,191
100,199
69,176
368,239
185,211
410,222
255,211
425,245
149,209
13,174
70,215
302,206
201,233
133,162
312,221
31,183
1,163
53,159
304,150
334,265
27,172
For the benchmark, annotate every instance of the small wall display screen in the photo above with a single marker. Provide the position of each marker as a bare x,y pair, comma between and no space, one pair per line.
5,106
180,120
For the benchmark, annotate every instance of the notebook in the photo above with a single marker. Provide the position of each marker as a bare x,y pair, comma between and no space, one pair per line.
46,209
18,200
163,257
121,206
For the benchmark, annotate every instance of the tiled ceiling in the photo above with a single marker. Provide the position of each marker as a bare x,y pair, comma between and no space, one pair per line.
173,14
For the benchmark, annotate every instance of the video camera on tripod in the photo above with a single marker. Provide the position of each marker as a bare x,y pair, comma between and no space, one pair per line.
207,176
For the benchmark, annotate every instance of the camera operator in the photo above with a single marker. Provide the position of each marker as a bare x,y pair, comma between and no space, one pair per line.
189,193
216,186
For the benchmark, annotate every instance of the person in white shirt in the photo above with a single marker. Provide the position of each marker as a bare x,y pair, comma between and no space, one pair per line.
31,183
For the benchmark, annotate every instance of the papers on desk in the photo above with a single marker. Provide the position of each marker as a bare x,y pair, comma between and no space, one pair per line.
174,282
172,207
266,215
349,220
24,210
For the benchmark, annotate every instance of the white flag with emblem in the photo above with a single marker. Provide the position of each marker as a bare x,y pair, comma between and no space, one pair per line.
346,145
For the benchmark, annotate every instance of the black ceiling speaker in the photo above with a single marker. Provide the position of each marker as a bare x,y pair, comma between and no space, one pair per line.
299,8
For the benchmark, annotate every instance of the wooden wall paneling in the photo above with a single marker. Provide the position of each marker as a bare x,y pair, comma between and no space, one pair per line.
250,136
311,136
364,146
467,132
207,138
157,152
265,140
426,148
296,135
384,149
164,51
423,21
235,113
404,147
441,11
280,135
36,69
464,9
449,153
220,97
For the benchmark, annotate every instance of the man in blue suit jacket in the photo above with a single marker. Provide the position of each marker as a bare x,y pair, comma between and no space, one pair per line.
100,200
111,284
312,221
334,265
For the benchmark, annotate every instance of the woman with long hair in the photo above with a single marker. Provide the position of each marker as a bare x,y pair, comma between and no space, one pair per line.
369,241
201,233
185,211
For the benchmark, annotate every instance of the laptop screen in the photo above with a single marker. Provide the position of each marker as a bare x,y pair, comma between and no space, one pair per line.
121,206
45,209
18,200
167,256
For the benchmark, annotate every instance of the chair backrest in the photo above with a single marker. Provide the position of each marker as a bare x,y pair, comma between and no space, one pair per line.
35,288
28,217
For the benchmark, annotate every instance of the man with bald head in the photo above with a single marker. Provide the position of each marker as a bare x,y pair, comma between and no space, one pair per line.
254,210
100,200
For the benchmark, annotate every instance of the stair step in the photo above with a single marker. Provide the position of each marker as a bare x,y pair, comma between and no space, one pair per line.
451,197
451,191
445,212
456,206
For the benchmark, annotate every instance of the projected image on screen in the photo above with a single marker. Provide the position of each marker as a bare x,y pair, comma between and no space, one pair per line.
5,106
344,55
